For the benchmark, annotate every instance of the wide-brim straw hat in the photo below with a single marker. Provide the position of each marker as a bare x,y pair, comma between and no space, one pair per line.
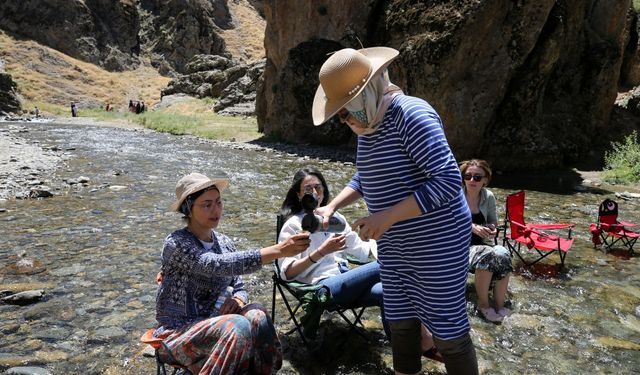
344,76
194,182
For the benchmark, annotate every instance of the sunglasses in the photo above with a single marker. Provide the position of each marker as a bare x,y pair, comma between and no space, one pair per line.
310,188
475,177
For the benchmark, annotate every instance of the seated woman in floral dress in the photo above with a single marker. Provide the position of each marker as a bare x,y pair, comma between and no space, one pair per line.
205,319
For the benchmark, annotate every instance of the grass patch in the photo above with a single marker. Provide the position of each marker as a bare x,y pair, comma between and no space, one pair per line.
636,5
192,116
622,163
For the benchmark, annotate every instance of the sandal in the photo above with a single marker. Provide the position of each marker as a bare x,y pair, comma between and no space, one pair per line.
504,312
490,314
434,354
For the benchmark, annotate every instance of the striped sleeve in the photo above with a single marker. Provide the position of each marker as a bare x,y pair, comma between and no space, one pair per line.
424,140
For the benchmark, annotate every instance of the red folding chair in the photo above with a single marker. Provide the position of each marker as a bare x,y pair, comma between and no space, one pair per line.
609,231
534,237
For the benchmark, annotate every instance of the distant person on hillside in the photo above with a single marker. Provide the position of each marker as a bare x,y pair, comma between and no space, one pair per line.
74,110
36,112
132,107
138,108
143,108
108,107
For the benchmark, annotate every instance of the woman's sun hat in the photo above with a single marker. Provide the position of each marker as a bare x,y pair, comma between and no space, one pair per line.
344,76
194,182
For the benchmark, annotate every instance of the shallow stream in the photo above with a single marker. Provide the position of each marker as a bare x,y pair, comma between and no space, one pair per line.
94,248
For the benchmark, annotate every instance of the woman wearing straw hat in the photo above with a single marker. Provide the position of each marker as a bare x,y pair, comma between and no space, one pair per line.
411,183
203,310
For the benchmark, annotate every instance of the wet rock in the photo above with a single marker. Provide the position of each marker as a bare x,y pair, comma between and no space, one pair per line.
24,298
628,195
107,334
83,179
27,370
42,192
27,266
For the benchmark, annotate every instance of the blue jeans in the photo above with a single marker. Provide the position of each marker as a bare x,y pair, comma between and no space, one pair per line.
358,287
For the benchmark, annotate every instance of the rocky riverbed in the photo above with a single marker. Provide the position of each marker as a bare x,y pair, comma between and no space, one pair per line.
88,256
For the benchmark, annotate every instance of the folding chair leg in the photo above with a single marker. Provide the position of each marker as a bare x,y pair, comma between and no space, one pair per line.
297,324
353,326
273,301
160,370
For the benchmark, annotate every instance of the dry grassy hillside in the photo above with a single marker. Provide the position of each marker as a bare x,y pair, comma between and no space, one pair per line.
46,76
51,80
246,40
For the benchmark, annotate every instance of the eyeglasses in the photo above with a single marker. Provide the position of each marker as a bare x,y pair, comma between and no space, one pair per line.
475,177
344,115
310,188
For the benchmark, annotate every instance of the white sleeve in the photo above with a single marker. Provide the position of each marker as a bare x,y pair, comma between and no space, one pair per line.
290,227
355,246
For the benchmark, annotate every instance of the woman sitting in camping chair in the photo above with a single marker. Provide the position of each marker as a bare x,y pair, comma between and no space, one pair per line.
489,261
206,322
325,261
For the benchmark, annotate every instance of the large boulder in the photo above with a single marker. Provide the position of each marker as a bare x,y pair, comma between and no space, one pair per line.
525,84
9,98
176,30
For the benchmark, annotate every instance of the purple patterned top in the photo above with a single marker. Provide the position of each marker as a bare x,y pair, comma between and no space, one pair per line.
193,277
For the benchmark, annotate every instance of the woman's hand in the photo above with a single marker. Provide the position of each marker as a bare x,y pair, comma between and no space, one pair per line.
483,231
295,244
326,212
231,306
333,244
372,227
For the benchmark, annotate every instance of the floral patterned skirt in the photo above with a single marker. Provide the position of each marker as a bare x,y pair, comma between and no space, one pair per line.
495,259
244,343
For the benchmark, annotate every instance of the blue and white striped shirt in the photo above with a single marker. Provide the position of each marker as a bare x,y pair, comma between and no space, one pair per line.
423,260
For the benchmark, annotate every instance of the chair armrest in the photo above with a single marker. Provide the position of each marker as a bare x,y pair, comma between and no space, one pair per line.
355,261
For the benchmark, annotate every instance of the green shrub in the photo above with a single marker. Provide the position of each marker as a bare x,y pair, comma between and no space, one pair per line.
622,163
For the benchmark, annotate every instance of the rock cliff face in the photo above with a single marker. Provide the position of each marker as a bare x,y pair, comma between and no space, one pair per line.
103,32
520,83
9,100
115,34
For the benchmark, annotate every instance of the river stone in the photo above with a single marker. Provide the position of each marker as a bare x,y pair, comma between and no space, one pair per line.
27,370
612,342
68,271
41,192
628,195
107,334
53,334
24,298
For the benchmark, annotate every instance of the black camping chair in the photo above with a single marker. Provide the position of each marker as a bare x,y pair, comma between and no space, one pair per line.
296,296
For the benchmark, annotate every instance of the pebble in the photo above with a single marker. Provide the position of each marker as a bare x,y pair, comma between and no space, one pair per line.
27,370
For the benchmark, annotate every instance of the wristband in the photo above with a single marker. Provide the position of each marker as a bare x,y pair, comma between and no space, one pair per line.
310,259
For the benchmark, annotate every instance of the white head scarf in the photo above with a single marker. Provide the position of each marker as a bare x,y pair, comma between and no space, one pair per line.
369,107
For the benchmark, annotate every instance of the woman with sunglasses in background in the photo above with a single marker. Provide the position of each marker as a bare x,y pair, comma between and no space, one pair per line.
490,262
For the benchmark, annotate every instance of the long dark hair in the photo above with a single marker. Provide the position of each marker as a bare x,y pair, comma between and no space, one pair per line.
291,204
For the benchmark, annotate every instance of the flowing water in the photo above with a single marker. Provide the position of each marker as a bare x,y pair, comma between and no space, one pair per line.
94,248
